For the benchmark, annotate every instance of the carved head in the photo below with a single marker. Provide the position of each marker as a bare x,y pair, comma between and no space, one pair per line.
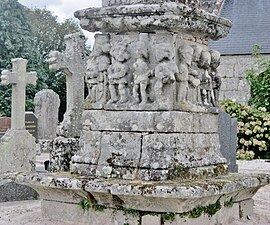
141,50
163,52
102,44
91,70
119,52
205,59
185,54
215,59
197,53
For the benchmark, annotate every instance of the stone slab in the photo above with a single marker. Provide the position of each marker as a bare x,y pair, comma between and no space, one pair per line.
17,154
11,191
160,151
47,103
228,215
150,196
228,139
152,121
120,149
73,212
246,209
90,148
144,18
31,124
151,220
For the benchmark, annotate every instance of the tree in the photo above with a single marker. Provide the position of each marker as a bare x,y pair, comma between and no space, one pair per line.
16,42
32,34
49,35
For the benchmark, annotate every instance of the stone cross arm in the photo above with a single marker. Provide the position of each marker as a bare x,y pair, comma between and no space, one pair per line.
18,75
18,78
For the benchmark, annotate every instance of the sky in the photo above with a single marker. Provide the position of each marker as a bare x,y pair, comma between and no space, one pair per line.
64,9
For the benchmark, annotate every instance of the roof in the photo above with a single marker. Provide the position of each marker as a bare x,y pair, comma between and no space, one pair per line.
251,25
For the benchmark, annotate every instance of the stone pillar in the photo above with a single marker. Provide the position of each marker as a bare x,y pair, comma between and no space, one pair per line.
152,111
17,146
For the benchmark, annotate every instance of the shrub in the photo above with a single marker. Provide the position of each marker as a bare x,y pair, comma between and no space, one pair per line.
259,79
253,129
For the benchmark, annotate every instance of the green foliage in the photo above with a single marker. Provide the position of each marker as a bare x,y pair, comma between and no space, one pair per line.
259,79
212,209
16,42
49,35
32,34
86,205
253,129
196,212
229,203
168,216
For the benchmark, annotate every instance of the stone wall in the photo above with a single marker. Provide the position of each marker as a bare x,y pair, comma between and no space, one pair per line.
232,71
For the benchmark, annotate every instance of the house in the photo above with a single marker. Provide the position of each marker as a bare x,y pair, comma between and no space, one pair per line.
251,26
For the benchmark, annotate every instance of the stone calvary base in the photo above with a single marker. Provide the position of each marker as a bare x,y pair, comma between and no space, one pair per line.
147,143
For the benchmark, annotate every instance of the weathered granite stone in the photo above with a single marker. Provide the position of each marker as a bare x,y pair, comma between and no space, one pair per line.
122,150
172,16
11,191
182,81
17,154
151,220
148,121
211,6
47,103
89,149
156,197
45,146
73,62
151,73
63,150
162,151
228,139
246,209
72,212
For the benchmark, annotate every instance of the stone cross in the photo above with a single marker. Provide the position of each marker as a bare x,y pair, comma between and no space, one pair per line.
73,62
18,78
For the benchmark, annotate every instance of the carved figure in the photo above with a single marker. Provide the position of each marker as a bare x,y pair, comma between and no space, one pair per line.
141,73
207,93
166,69
118,72
195,75
96,72
215,62
185,53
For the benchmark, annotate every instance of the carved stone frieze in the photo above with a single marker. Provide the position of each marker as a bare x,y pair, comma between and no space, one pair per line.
145,71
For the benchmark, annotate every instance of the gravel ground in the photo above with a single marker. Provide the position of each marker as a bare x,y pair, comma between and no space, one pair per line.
29,212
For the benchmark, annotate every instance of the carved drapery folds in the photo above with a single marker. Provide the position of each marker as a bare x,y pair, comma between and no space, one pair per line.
147,72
